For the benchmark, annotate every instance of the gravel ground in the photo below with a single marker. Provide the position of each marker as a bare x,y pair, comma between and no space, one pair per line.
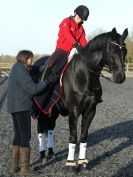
110,141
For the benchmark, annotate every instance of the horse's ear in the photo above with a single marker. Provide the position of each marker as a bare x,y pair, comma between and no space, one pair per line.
114,30
125,33
113,33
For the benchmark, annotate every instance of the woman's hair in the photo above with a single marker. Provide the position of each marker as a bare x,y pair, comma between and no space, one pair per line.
24,55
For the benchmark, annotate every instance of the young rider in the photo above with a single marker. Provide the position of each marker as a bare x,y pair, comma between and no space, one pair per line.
71,34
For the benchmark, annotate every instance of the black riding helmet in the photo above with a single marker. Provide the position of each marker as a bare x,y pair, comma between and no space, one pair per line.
82,11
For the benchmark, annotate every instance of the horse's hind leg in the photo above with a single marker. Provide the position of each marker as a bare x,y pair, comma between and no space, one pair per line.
86,121
50,144
51,135
41,137
45,129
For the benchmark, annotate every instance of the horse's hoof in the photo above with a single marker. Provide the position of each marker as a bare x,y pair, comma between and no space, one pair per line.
51,155
70,166
82,164
44,160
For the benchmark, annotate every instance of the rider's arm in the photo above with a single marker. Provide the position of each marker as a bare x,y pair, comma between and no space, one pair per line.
65,29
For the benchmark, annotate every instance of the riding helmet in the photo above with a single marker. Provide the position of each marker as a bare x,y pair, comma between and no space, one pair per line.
82,11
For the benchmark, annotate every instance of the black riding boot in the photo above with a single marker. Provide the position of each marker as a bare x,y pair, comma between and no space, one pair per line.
46,70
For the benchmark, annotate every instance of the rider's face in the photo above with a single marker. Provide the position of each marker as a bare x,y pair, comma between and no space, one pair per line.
77,19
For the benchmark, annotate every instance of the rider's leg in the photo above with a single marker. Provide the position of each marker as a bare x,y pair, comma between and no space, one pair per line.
57,54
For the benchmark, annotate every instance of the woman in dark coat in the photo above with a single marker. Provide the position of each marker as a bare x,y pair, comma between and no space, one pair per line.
20,90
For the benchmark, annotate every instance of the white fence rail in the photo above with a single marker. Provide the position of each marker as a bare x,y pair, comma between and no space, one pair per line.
5,67
129,67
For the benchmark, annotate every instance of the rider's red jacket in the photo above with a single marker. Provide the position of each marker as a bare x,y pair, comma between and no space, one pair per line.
70,32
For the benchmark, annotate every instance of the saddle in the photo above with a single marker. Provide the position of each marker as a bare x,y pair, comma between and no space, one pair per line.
51,96
38,107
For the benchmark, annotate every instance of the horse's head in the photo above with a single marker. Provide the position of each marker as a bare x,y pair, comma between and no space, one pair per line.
115,55
109,50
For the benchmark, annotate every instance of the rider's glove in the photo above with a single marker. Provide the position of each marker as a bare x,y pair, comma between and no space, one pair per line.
77,46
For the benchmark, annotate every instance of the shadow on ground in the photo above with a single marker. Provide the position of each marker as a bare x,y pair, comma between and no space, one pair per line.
119,130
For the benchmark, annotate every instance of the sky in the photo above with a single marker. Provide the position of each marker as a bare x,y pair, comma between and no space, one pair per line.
34,24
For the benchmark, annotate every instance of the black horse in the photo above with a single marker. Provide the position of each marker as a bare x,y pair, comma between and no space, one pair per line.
82,89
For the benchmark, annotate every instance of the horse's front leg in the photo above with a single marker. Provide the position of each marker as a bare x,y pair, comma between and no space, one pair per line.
87,118
71,164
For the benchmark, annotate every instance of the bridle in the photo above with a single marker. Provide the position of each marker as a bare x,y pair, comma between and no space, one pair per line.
107,68
108,55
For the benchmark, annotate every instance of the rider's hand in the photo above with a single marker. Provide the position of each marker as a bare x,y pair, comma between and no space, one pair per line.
78,47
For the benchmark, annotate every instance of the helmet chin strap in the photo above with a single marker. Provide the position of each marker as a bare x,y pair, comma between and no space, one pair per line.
81,23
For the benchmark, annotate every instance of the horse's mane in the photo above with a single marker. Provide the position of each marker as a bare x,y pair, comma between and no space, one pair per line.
98,41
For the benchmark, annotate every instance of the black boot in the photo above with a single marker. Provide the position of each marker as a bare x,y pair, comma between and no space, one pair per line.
46,70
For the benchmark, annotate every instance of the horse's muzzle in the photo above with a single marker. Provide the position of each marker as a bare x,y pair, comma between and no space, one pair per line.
118,78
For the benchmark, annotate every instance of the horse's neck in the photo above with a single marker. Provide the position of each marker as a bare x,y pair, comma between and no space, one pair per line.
94,53
96,48
94,61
